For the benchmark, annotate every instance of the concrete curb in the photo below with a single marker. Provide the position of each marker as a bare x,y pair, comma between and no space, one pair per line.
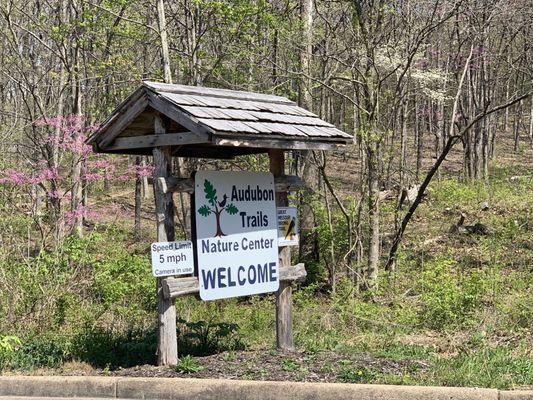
214,389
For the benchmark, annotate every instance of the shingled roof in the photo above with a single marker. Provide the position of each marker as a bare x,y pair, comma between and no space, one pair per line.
203,122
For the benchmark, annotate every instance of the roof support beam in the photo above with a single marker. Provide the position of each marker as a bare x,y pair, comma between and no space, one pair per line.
148,141
167,345
285,144
172,184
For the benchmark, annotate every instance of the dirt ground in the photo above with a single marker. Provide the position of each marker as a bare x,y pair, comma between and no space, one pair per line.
267,365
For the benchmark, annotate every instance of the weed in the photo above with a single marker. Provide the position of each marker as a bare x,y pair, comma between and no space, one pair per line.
289,365
229,356
188,365
354,374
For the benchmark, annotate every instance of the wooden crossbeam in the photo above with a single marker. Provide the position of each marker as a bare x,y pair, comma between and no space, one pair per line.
285,183
150,141
175,287
272,142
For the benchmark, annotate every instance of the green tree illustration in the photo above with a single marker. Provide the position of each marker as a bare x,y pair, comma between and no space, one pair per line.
215,206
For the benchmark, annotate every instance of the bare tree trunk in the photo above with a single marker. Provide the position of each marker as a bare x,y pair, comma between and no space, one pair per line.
138,200
309,173
165,57
531,122
507,92
516,122
373,210
485,148
331,265
144,179
77,189
403,140
419,141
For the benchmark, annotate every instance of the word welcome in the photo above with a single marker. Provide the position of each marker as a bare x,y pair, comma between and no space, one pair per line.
222,277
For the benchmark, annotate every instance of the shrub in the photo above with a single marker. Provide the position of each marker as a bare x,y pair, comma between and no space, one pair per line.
8,347
448,299
102,348
203,338
43,351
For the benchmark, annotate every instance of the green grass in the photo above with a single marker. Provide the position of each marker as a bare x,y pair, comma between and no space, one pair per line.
502,367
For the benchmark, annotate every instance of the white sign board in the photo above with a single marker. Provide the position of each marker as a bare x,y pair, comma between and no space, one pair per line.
172,258
236,229
287,226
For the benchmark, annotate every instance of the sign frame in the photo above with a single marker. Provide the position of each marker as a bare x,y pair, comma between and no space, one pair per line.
236,233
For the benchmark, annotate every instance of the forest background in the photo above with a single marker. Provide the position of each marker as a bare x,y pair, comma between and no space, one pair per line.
417,238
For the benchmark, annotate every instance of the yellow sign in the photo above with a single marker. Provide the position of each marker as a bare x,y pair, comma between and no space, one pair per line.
287,226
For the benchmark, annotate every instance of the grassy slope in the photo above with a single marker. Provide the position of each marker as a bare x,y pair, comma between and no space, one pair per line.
458,312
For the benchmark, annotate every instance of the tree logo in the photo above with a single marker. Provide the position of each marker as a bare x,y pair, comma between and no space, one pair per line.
216,206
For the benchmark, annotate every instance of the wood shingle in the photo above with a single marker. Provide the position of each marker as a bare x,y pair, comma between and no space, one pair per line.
202,118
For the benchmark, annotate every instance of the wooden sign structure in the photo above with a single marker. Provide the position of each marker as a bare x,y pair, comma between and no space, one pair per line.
167,120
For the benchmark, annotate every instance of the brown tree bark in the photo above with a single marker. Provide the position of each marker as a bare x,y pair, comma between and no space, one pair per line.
138,201
308,244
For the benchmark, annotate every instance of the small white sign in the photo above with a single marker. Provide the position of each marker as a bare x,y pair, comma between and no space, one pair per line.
236,228
172,258
288,226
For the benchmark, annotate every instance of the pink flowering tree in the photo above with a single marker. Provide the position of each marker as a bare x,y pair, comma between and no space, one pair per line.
50,174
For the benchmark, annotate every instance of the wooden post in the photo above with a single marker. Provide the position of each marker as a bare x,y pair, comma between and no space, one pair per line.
167,346
284,337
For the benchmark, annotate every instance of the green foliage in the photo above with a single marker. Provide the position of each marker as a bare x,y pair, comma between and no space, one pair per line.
121,278
39,351
188,365
231,209
448,297
517,312
452,191
210,193
8,347
104,348
203,338
356,374
204,211
498,367
289,365
400,351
